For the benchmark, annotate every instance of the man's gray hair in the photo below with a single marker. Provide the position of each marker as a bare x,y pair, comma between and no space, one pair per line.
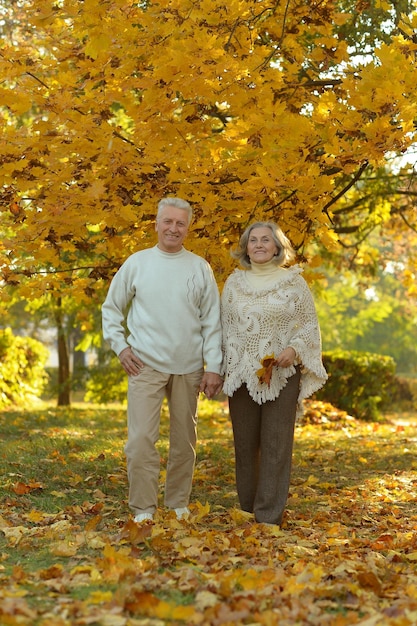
178,203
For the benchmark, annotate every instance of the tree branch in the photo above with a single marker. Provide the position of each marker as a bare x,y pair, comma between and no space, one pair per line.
61,271
38,79
405,220
341,193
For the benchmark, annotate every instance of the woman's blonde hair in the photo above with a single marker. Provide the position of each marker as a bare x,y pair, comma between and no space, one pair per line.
285,252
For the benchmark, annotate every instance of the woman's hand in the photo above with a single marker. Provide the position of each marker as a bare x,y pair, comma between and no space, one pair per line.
285,358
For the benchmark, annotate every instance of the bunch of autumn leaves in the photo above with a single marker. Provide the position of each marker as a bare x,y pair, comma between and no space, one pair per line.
265,372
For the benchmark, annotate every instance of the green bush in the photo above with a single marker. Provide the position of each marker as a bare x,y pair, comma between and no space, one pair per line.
51,390
22,369
403,396
360,383
78,382
107,381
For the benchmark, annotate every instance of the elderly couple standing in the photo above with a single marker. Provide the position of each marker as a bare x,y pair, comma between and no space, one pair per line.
175,338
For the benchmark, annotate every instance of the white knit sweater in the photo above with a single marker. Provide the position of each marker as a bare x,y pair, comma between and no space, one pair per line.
265,310
172,305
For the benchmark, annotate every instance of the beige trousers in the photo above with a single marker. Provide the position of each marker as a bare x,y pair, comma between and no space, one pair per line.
146,393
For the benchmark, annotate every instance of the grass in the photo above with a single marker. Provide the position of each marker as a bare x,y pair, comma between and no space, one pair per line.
54,460
69,554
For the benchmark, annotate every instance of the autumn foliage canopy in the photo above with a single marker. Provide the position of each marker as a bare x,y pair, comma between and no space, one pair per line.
248,109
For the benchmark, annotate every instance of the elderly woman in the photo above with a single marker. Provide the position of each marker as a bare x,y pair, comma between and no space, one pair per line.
272,361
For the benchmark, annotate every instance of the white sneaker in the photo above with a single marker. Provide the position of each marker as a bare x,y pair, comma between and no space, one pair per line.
182,512
143,517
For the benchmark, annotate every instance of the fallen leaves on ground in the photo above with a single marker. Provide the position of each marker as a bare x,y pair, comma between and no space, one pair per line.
346,554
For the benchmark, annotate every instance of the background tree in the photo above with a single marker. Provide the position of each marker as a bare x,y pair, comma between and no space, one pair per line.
381,319
376,225
248,109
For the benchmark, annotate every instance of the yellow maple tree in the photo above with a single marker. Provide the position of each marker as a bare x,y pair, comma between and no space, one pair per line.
250,110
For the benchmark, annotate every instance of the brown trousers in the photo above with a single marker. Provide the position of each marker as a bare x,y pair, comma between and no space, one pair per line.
146,393
264,439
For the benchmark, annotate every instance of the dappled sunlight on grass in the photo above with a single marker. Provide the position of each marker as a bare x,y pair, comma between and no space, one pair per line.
70,553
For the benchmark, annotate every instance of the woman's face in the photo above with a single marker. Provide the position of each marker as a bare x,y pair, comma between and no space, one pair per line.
261,245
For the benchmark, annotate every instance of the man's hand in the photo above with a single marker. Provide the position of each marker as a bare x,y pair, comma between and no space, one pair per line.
131,364
211,384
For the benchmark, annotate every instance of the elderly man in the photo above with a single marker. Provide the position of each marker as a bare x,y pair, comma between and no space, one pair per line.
168,300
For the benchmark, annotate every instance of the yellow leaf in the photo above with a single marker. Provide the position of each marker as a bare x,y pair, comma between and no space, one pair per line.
96,190
411,590
250,579
202,511
239,516
97,597
36,516
58,494
96,44
64,548
382,4
169,610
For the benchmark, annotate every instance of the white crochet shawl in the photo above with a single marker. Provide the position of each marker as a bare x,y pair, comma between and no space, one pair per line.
260,321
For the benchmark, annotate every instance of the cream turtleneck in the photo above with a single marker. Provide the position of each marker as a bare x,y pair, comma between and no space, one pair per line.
261,275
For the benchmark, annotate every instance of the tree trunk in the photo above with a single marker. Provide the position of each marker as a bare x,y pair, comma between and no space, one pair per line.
79,362
64,398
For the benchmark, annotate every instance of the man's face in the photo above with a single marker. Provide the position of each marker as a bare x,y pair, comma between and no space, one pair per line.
172,228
